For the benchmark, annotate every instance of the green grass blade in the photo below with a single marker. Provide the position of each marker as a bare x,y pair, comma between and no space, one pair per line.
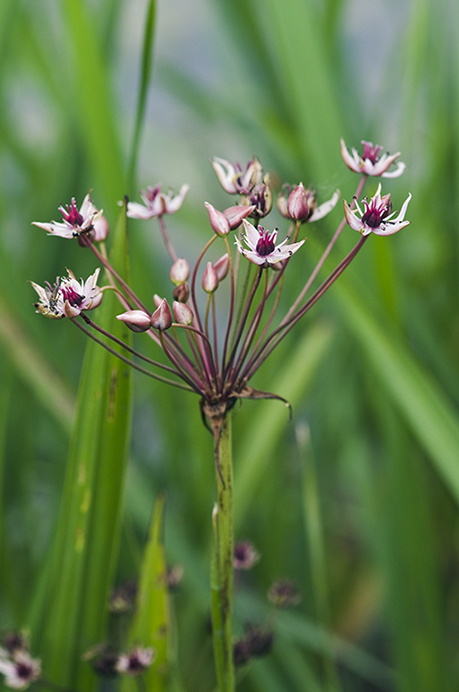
93,104
269,419
34,370
74,611
413,392
152,624
145,75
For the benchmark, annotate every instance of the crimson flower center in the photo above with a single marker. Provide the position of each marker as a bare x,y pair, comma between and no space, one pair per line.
72,296
374,214
73,216
371,152
265,244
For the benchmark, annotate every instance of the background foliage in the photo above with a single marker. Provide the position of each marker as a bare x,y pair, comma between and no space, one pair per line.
357,498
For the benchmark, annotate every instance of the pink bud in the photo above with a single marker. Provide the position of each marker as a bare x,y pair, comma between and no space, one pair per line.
301,203
157,300
221,267
136,320
180,271
101,229
209,279
236,214
162,317
182,313
218,221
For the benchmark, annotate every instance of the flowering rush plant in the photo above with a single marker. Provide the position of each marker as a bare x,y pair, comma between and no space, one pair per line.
220,319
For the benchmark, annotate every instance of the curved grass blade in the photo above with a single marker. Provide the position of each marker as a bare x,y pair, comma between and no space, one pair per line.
411,389
152,623
147,66
269,420
74,608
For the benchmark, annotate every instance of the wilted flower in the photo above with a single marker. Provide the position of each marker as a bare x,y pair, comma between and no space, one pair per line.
262,246
136,661
371,162
20,669
156,203
261,198
377,216
51,303
77,222
233,180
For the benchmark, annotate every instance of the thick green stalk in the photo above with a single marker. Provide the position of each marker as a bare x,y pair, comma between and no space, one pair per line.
222,561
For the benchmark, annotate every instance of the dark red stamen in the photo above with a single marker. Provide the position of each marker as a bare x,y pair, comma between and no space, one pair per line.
265,244
371,152
72,296
72,216
375,214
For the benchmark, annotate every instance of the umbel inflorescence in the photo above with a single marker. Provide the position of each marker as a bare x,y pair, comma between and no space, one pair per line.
214,346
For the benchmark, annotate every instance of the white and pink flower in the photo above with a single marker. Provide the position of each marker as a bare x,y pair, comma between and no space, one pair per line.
377,215
371,162
261,246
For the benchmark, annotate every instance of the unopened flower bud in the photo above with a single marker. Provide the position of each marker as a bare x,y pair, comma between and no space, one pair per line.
182,293
301,203
162,317
221,266
157,300
209,279
101,229
136,320
218,220
180,271
182,313
235,215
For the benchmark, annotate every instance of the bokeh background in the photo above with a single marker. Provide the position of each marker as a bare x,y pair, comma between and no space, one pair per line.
356,498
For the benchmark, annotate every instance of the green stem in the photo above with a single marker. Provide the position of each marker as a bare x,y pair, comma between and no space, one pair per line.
222,561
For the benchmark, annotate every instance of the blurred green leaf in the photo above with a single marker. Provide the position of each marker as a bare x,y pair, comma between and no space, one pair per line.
74,611
151,626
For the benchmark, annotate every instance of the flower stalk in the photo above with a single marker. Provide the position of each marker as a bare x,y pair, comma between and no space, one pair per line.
212,347
222,559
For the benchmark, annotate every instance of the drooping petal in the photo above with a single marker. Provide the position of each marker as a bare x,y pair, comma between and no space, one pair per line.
325,208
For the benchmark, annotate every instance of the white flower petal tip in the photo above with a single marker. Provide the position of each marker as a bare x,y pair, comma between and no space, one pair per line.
372,162
261,246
